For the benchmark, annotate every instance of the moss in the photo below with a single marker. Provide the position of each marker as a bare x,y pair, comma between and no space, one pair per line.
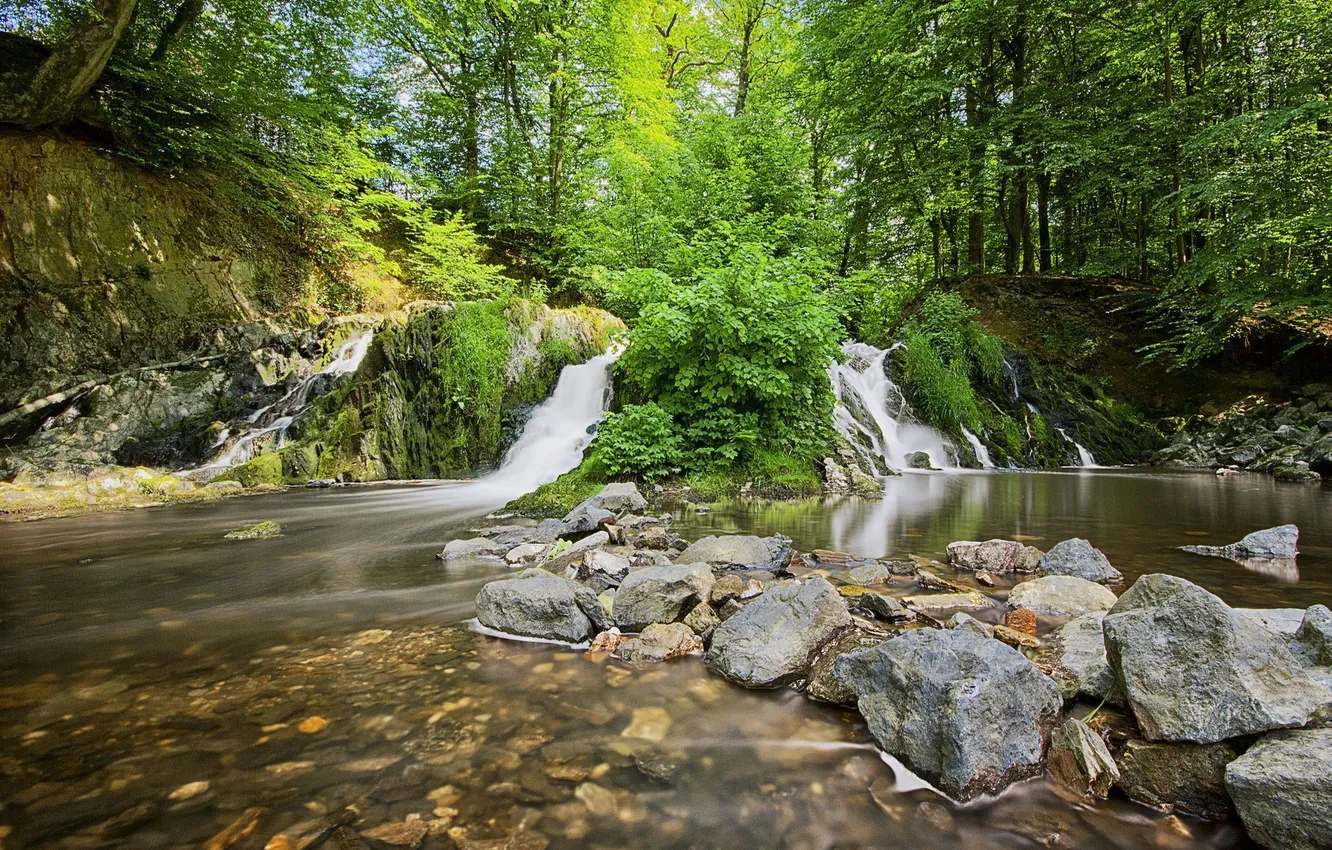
261,530
265,469
560,496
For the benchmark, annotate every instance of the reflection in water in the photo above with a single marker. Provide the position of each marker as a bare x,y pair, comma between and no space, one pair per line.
1283,569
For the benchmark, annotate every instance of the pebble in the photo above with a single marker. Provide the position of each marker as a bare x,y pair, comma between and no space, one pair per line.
189,790
311,725
599,801
648,724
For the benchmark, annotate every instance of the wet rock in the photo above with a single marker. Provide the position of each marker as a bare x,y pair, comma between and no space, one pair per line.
657,766
259,531
1015,638
661,594
650,723
930,581
1315,636
548,531
617,498
1194,670
871,573
740,552
771,641
996,556
607,642
599,562
968,623
1080,648
653,537
507,536
1282,788
475,547
969,601
1061,596
1279,542
1188,777
410,832
703,620
1080,761
821,683
1078,558
600,801
526,554
919,460
538,604
969,714
727,587
661,642
585,518
884,607
189,791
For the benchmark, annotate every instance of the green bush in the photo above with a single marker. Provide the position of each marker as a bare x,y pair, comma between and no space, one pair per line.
940,392
640,441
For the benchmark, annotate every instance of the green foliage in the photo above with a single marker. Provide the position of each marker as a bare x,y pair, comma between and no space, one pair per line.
443,259
873,304
558,497
641,441
940,392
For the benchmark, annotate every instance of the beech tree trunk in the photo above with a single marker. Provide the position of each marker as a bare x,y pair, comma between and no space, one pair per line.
74,66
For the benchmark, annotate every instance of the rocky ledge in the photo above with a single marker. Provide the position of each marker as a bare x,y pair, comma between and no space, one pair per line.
1165,691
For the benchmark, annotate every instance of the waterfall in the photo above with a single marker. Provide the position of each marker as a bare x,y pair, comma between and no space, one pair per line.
274,419
982,453
1084,457
1011,371
873,415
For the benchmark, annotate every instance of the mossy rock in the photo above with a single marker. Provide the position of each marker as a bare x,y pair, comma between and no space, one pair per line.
262,530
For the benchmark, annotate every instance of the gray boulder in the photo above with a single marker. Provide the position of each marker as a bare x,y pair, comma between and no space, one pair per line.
1315,636
615,498
969,714
507,536
771,641
1187,777
703,620
967,623
884,607
473,548
598,562
1061,596
1282,622
871,573
660,642
548,531
661,594
1192,669
739,552
1279,542
538,604
1080,648
1282,788
1077,557
1080,761
585,518
822,684
996,556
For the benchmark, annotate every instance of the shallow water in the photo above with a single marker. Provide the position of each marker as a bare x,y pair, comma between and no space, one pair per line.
140,653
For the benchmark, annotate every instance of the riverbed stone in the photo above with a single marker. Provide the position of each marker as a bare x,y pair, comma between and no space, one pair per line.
968,601
1194,670
661,594
969,714
598,562
771,641
822,684
1080,761
1188,777
996,556
967,623
661,642
585,518
739,552
703,620
1282,788
526,553
1077,557
538,604
1279,542
472,548
871,573
616,498
1080,652
1061,596
884,607
1315,636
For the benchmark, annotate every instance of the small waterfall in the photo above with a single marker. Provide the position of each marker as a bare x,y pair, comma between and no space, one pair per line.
1011,371
982,453
873,414
274,419
1084,457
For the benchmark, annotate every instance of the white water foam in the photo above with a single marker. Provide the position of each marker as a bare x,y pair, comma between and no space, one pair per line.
982,453
1085,457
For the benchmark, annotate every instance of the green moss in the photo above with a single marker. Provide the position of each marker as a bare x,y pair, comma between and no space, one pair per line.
265,469
560,496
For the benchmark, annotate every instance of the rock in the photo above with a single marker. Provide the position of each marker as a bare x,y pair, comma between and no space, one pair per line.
919,460
1315,636
607,642
969,601
548,531
661,594
727,587
771,641
599,562
930,581
996,556
968,714
1015,638
507,536
615,498
653,537
188,791
1080,645
585,518
1283,622
1080,761
472,548
574,554
1282,788
821,683
262,530
1278,542
1187,777
526,553
599,801
1078,558
740,552
410,832
1021,620
648,724
871,573
830,559
703,620
1194,670
1061,596
537,604
884,607
661,642
968,623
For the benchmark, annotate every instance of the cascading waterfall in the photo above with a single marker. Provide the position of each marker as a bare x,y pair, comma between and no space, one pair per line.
982,453
277,417
873,415
1085,457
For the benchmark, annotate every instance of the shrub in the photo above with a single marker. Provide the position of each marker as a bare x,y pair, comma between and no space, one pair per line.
640,441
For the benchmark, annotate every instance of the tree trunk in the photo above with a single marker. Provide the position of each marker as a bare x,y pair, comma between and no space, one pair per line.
1043,219
186,14
74,66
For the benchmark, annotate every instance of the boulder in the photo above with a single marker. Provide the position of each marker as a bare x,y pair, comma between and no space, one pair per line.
871,573
598,562
526,553
661,594
507,536
703,620
472,549
1192,669
969,601
548,531
1080,761
616,498
1061,596
970,715
740,552
653,537
968,623
771,641
1282,622
822,684
727,587
996,556
1080,652
585,518
660,642
537,604
1315,636
919,460
1279,542
1282,788
1187,777
1078,558
884,607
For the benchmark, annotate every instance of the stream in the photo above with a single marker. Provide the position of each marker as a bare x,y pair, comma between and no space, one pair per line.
164,687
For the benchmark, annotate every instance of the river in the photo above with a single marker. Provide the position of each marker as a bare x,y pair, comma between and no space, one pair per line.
142,656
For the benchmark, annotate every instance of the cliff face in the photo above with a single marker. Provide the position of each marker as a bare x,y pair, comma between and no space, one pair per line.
104,265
